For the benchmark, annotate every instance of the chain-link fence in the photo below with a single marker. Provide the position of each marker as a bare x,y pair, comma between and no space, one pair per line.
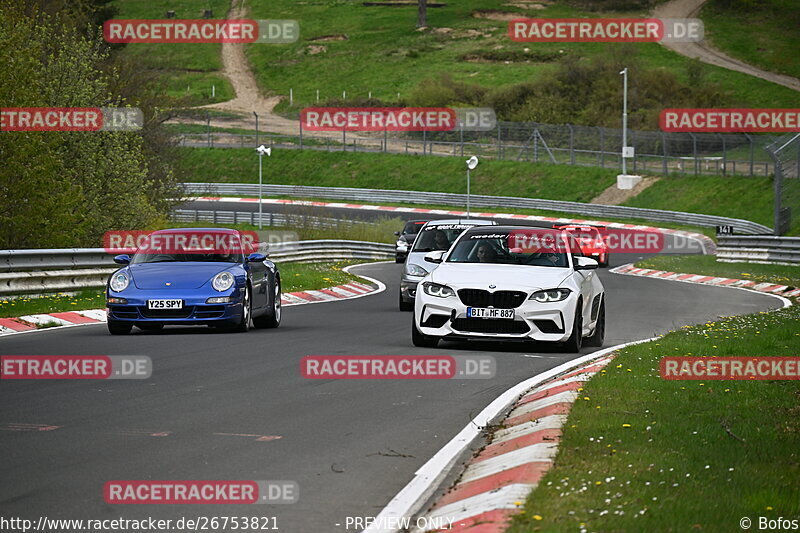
785,153
720,154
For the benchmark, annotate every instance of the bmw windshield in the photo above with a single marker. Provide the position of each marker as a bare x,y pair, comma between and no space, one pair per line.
534,247
439,237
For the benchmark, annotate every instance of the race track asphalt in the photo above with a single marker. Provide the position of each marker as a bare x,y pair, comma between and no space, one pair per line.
350,445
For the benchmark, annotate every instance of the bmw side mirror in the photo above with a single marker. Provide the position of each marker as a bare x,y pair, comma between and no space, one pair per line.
435,256
397,233
256,257
123,259
585,263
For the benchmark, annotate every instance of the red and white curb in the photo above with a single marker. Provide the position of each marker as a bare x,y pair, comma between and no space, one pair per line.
769,288
497,481
707,244
504,472
354,289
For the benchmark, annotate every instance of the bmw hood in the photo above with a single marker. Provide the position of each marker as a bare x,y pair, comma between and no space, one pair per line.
185,275
505,277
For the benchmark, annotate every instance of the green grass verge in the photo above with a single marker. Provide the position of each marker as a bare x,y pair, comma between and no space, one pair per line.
697,264
304,276
294,277
639,453
23,305
393,171
767,34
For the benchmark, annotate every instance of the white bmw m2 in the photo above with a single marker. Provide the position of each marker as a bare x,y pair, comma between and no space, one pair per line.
510,283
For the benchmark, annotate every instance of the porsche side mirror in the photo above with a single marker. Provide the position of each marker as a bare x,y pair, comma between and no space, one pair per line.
123,259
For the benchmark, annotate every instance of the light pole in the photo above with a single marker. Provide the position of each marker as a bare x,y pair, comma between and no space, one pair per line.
261,151
624,73
256,115
472,162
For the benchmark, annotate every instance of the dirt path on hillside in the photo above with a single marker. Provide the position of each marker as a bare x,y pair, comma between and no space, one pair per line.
706,53
236,68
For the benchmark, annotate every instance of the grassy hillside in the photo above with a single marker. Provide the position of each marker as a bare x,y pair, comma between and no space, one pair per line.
764,33
192,66
388,171
346,46
747,198
459,41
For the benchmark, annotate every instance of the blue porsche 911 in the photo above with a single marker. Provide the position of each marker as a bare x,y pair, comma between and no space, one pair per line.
168,285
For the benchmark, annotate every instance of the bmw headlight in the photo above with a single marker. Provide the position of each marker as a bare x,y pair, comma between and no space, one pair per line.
222,281
402,244
435,289
550,295
415,270
119,282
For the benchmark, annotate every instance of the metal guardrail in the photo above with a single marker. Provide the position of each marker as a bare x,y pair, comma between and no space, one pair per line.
251,217
443,198
54,270
758,249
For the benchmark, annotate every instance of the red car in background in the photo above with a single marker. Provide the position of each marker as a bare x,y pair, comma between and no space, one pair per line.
590,239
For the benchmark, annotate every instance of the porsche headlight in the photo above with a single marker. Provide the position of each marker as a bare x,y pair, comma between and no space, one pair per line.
550,295
222,281
435,289
119,282
415,270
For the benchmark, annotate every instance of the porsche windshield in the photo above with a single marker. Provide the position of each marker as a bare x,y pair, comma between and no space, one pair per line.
512,248
186,258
